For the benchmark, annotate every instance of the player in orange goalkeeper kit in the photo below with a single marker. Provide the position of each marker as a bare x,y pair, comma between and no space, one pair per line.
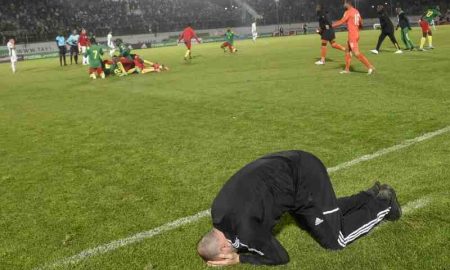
354,23
187,35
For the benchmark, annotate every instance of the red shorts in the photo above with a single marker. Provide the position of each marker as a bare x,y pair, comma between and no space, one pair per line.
425,26
188,44
99,70
226,44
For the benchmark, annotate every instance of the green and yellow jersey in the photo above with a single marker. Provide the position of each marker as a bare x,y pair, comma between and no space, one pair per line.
94,53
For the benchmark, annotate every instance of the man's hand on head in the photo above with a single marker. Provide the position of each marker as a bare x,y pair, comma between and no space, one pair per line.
225,260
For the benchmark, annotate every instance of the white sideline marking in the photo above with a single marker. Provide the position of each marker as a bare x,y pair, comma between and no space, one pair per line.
388,150
414,205
190,219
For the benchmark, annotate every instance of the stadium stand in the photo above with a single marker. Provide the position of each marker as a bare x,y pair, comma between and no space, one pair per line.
31,21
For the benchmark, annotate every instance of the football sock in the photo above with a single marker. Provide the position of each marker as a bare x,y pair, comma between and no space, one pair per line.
323,53
188,52
422,42
430,41
13,66
364,60
348,61
102,75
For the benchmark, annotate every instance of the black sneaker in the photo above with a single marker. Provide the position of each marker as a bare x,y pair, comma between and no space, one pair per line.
374,189
388,193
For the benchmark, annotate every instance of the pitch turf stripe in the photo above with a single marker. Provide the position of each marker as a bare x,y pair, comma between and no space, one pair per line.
105,248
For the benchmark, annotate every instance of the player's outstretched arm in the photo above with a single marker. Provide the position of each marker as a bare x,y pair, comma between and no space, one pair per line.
341,21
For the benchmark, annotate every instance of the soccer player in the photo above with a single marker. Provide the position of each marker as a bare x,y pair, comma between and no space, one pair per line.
403,24
83,43
61,43
114,67
124,50
431,14
140,68
327,34
354,23
111,46
387,30
12,53
253,200
229,42
72,41
254,32
187,35
426,33
94,53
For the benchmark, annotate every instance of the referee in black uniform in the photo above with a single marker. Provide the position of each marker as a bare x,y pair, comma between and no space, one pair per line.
387,30
326,33
251,203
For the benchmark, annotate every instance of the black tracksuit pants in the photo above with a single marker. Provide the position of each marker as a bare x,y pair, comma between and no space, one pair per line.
333,222
383,35
253,200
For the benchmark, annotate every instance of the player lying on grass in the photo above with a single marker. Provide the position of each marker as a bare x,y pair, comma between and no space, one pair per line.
252,202
141,68
387,30
354,23
94,55
121,66
426,34
326,33
229,42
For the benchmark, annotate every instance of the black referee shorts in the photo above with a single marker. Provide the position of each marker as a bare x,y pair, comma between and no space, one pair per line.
62,50
328,35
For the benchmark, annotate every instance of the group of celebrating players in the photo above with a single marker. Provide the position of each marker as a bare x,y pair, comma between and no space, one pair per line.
126,63
353,21
123,64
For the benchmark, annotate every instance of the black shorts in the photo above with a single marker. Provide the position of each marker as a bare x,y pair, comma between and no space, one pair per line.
328,35
62,50
74,49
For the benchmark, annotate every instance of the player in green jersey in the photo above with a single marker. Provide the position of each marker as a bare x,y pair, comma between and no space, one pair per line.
229,42
94,54
430,15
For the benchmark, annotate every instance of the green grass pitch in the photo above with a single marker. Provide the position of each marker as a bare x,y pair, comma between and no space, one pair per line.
83,162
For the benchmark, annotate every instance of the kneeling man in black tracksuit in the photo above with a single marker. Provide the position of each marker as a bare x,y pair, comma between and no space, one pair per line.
251,203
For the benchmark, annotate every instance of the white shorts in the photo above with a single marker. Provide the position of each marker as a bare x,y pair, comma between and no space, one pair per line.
255,35
111,46
83,49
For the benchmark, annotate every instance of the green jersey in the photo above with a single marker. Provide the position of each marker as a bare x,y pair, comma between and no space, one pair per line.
124,51
112,69
94,52
229,37
431,14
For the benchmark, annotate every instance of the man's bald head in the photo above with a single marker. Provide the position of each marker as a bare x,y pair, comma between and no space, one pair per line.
209,246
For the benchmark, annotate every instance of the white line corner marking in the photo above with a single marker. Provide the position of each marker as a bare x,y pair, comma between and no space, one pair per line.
190,219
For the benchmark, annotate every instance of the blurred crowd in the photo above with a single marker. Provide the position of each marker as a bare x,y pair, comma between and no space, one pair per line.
41,20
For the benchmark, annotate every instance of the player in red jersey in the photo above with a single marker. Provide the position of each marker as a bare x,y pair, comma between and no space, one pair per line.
354,23
187,35
426,33
83,43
